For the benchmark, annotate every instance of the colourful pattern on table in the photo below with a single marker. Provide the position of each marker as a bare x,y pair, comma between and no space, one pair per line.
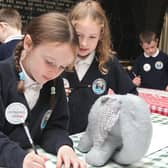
157,100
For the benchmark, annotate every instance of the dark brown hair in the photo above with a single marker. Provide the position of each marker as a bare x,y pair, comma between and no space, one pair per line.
147,37
49,27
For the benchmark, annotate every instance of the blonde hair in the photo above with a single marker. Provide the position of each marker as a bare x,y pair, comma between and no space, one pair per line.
12,17
49,27
93,10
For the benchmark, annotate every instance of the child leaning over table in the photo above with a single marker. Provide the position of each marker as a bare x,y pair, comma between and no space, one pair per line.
32,78
150,69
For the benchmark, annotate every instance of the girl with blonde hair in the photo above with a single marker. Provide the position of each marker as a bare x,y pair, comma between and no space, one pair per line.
96,67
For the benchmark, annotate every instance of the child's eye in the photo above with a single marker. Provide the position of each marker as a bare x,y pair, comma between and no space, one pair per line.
53,64
62,67
50,63
78,35
92,37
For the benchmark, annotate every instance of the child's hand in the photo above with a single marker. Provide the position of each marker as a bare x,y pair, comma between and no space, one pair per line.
137,81
67,91
67,156
33,160
166,88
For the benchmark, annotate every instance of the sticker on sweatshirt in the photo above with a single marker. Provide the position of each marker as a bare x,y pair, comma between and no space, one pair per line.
99,86
159,65
16,113
45,119
146,67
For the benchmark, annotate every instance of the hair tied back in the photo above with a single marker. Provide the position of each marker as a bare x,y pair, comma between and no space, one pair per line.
21,76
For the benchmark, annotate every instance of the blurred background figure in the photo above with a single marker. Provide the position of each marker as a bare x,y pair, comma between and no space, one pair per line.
10,31
150,69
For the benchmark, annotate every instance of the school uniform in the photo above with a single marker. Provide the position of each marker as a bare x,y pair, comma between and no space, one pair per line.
48,128
7,48
153,70
93,85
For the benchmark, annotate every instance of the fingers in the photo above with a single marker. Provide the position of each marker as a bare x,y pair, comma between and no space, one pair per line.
59,162
33,160
79,164
67,91
67,156
71,163
137,81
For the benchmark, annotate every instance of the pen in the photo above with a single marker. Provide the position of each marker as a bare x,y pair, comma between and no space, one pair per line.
29,137
134,73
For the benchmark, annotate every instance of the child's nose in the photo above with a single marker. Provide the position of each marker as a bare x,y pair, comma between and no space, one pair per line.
83,42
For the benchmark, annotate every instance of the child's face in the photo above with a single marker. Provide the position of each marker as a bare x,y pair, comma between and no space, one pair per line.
47,61
89,34
150,48
3,27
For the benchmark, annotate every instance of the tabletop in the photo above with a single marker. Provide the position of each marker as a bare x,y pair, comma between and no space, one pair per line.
156,159
157,100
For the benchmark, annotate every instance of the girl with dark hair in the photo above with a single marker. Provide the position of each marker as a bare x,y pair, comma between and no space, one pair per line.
32,78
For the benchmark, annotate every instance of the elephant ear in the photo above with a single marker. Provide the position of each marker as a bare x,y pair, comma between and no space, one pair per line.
111,113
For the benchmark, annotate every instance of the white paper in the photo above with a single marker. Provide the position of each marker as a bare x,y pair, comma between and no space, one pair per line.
159,138
49,164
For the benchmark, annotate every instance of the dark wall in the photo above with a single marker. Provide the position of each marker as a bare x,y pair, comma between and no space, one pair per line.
127,18
30,8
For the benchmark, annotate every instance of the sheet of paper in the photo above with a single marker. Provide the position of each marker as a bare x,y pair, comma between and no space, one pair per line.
159,138
49,164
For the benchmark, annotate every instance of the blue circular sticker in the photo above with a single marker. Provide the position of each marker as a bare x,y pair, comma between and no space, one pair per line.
99,86
159,65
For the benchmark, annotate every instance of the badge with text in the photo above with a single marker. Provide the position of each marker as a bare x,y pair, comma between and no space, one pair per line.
159,65
16,113
45,119
146,67
99,86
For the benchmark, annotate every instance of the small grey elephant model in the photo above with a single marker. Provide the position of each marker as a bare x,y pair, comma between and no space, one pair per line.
119,128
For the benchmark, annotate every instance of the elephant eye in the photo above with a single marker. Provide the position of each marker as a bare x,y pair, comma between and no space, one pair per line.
104,100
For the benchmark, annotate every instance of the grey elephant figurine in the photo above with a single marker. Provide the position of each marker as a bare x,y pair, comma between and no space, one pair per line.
119,129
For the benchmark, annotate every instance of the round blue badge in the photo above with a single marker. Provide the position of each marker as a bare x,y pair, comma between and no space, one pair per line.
99,86
159,65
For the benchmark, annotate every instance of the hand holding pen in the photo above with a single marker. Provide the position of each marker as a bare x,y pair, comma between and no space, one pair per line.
137,79
16,113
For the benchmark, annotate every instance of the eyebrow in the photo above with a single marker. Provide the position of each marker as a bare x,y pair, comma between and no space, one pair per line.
93,34
50,58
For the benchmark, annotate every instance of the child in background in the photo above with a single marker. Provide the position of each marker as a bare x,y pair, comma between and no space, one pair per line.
32,78
96,68
10,31
150,69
